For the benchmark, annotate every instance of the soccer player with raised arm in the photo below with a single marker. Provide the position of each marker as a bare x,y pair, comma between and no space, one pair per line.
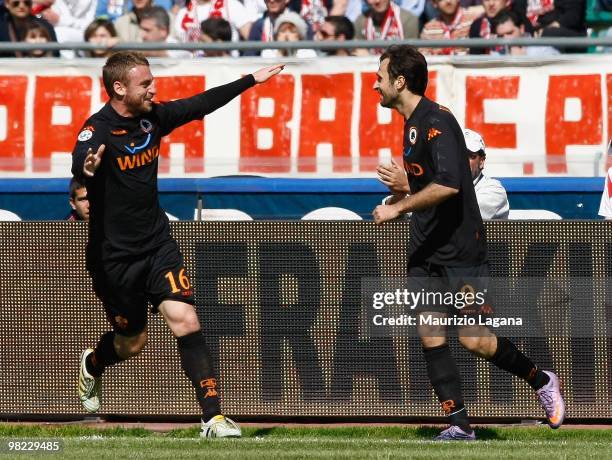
447,238
131,256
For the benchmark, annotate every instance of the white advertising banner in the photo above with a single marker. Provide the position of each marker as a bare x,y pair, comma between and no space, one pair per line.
320,117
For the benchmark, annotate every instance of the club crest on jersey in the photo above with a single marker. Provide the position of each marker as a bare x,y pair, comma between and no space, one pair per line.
412,135
146,125
86,134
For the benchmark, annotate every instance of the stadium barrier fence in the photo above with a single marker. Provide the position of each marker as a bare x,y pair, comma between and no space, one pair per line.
281,306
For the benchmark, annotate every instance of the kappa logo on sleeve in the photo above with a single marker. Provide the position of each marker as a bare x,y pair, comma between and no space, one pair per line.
433,132
86,133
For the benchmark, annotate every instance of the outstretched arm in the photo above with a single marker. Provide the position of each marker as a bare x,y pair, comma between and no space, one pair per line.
177,113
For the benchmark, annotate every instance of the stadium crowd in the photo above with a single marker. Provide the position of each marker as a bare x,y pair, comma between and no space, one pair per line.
107,22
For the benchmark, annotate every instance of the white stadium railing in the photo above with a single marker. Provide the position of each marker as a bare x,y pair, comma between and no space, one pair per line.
573,42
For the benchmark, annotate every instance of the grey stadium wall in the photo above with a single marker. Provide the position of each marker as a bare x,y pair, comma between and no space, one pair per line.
280,304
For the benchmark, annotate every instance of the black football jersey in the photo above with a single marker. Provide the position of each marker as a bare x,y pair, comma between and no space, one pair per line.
451,233
125,216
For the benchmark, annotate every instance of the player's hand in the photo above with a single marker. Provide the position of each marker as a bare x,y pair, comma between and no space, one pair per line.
267,72
384,213
93,160
394,177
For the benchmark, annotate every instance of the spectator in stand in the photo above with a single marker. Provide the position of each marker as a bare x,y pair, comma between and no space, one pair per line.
484,26
508,24
453,23
101,32
15,15
188,19
128,25
490,193
336,28
78,202
289,27
314,12
558,18
37,33
263,28
155,27
385,20
255,8
113,9
216,30
70,18
356,7
474,7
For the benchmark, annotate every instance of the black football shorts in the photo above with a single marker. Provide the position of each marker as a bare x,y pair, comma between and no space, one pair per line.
127,286
452,290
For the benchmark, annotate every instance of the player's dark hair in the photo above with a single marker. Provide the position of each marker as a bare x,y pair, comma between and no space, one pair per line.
158,14
74,186
34,25
507,15
96,24
407,61
118,66
342,25
217,29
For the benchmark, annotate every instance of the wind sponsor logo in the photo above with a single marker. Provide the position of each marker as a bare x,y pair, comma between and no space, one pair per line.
138,160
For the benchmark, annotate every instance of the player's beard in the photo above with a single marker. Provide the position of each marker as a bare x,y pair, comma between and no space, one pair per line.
137,105
386,100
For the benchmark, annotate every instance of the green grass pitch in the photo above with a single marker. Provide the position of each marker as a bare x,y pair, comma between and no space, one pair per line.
82,442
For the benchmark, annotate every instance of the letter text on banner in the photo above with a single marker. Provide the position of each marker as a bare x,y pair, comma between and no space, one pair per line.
190,135
70,96
479,89
374,135
12,102
222,319
290,292
336,131
561,132
254,119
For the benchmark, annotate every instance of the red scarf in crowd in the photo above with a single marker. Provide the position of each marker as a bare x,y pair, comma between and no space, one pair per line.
537,8
267,30
485,28
191,23
391,27
314,13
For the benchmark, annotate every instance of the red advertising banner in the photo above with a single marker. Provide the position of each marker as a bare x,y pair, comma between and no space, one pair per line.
321,117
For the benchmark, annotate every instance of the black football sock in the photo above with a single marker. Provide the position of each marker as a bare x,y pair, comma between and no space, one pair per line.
103,356
446,381
197,364
511,359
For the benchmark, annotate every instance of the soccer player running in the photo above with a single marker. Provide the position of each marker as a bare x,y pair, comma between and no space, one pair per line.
447,238
131,256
